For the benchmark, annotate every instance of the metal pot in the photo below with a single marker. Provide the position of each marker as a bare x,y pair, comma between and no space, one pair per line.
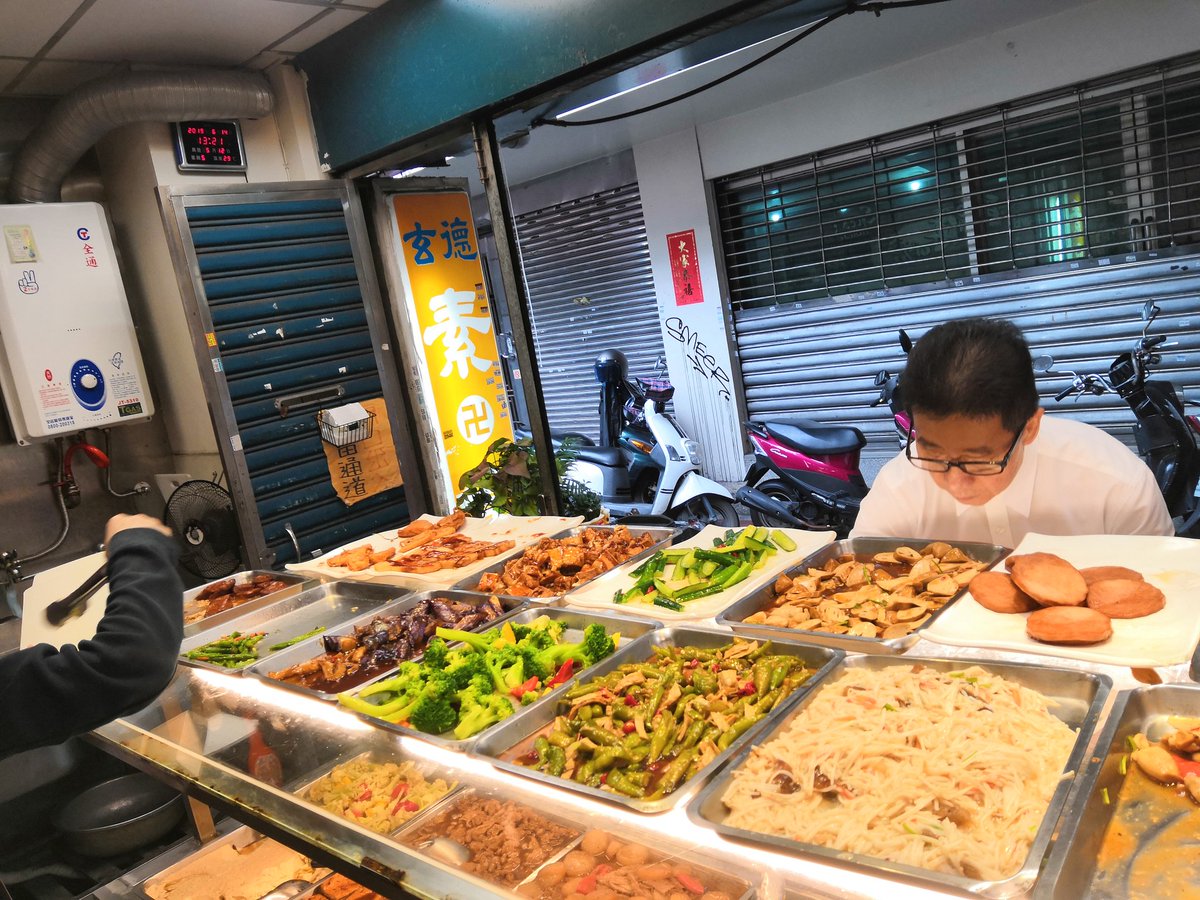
119,815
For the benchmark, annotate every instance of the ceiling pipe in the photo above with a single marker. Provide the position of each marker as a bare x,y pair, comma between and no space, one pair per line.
85,115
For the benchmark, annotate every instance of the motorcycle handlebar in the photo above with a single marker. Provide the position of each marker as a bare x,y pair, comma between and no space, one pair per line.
1154,341
1064,393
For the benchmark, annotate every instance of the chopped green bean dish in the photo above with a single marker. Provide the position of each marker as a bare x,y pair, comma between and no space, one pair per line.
673,577
646,728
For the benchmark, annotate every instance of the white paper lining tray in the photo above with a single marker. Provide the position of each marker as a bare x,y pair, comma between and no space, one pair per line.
1079,700
865,548
509,734
1071,870
1164,638
662,537
575,621
294,582
523,530
326,605
314,647
598,593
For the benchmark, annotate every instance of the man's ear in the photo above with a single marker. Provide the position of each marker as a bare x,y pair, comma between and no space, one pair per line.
1033,426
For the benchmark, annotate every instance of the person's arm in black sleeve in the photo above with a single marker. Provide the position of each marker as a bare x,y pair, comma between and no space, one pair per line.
49,694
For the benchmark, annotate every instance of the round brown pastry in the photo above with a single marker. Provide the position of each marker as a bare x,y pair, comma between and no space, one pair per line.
996,591
1008,562
1125,598
1049,579
1092,574
1068,625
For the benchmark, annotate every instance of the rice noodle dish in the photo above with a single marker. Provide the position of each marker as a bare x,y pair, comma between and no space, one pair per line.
948,771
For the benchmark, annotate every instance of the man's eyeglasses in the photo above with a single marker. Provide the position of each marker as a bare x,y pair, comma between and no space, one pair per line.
969,466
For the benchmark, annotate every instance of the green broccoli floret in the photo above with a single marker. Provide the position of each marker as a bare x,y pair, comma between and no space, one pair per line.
541,633
507,669
480,685
482,713
431,710
435,654
463,666
533,663
595,646
481,641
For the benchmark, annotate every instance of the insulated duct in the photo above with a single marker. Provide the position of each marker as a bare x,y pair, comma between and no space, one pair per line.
84,116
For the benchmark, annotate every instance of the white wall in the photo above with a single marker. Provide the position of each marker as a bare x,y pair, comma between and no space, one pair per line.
694,336
135,160
1084,42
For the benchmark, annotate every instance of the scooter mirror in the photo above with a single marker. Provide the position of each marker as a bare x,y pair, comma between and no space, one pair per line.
1043,363
881,378
906,343
1149,311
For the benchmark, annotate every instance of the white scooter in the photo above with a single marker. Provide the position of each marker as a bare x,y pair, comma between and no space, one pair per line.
682,493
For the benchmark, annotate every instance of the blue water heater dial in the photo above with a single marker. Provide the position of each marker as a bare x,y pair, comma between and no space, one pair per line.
87,381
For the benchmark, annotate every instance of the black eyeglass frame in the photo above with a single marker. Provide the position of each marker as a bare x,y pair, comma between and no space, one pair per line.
946,464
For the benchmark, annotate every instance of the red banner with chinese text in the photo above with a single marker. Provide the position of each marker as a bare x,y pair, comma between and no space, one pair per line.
685,270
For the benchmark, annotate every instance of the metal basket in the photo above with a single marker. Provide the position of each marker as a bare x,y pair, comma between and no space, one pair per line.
348,433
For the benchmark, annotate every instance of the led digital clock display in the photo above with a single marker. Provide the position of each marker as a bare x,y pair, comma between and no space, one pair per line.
209,146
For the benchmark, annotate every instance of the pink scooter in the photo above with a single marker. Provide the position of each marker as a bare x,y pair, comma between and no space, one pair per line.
806,474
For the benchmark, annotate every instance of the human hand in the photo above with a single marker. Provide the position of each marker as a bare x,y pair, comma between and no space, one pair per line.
122,522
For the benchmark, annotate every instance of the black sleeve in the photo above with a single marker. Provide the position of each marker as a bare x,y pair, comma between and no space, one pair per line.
48,694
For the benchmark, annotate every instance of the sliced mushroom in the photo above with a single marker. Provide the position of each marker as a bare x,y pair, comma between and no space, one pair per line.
846,571
924,568
894,631
937,549
830,611
907,554
888,558
1184,741
783,584
955,554
863,629
911,614
943,586
1157,763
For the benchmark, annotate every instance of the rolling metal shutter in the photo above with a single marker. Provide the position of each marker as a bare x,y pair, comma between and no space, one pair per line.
279,284
587,270
819,360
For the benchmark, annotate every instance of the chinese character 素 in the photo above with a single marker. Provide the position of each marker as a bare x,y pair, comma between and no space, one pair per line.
454,315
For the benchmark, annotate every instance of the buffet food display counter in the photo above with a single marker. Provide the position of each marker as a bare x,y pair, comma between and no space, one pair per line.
403,813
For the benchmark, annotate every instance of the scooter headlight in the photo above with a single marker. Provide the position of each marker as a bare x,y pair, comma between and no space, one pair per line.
693,451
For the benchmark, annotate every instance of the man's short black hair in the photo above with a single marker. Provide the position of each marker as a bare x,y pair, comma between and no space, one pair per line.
975,368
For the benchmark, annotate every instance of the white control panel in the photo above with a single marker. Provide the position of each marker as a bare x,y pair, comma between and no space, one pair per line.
70,359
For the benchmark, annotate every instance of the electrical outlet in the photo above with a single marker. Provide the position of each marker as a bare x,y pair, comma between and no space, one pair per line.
168,483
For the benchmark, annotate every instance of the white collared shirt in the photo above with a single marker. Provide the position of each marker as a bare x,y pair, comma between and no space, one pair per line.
1074,479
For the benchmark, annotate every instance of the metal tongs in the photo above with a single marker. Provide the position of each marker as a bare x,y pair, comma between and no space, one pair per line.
75,602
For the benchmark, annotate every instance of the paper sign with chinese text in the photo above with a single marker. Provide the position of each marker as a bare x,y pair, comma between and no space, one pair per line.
368,467
685,270
444,280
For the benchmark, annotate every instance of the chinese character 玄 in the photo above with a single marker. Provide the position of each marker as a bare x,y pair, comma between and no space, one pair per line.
454,315
420,238
458,240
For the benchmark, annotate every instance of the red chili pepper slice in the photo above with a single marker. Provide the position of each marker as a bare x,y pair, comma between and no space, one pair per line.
1186,766
690,884
400,790
365,795
564,673
522,689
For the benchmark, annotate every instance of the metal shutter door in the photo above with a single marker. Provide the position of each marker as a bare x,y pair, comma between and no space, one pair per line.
279,287
592,249
819,359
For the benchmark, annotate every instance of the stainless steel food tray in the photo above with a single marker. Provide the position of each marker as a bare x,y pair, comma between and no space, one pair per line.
429,770
1071,867
509,733
736,612
295,584
312,647
662,537
327,605
464,794
575,621
241,837
1078,699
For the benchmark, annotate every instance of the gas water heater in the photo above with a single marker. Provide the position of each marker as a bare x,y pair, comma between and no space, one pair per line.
70,356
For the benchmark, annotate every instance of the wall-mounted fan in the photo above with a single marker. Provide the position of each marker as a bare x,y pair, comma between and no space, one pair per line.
202,517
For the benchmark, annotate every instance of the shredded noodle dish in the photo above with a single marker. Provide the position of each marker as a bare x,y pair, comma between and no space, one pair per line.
949,771
378,796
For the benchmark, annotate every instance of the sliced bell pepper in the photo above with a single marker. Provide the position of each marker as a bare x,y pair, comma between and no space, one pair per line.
563,674
525,687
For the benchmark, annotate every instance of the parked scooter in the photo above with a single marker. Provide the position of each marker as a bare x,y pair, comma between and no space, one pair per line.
806,474
1168,439
680,492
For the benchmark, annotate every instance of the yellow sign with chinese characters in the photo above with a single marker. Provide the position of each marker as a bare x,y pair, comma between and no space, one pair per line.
453,325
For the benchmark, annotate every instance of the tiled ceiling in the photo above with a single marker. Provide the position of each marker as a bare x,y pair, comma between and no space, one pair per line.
48,47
